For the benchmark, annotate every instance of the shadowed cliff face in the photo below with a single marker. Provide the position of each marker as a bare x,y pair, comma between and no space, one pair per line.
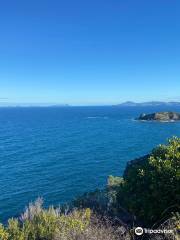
160,116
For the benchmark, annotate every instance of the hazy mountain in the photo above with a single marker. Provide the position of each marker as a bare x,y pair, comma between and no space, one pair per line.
152,103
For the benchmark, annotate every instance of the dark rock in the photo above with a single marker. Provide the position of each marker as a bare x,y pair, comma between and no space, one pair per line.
160,116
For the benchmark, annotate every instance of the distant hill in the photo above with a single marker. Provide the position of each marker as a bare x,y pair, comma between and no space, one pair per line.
153,103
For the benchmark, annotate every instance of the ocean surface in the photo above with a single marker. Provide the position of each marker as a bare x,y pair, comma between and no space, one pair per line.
59,153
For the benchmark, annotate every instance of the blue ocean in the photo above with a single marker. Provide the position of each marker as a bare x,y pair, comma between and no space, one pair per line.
59,153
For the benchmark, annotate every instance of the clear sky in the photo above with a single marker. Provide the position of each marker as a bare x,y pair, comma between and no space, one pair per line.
89,52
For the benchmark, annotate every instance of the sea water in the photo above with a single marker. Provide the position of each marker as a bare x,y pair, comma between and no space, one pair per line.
59,153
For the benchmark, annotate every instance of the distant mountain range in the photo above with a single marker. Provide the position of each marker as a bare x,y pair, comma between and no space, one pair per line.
153,103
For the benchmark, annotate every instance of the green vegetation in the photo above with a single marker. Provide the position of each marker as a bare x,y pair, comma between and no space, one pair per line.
149,192
151,187
37,223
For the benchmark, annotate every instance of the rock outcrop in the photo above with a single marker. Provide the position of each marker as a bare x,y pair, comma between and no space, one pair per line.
160,116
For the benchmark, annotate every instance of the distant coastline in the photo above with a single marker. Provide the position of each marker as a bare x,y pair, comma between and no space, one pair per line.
123,104
146,104
19,105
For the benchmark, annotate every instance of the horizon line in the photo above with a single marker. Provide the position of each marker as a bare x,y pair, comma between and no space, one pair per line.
6,104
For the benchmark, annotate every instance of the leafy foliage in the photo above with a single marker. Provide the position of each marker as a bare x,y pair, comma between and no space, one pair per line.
151,188
40,224
37,223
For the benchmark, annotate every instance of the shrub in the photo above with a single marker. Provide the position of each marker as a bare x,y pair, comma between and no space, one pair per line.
37,223
151,188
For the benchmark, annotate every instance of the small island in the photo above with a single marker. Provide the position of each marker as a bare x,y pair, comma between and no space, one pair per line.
160,116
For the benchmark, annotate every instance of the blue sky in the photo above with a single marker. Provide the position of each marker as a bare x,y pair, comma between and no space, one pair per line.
89,52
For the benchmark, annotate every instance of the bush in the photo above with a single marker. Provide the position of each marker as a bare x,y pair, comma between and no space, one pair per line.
37,223
151,188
